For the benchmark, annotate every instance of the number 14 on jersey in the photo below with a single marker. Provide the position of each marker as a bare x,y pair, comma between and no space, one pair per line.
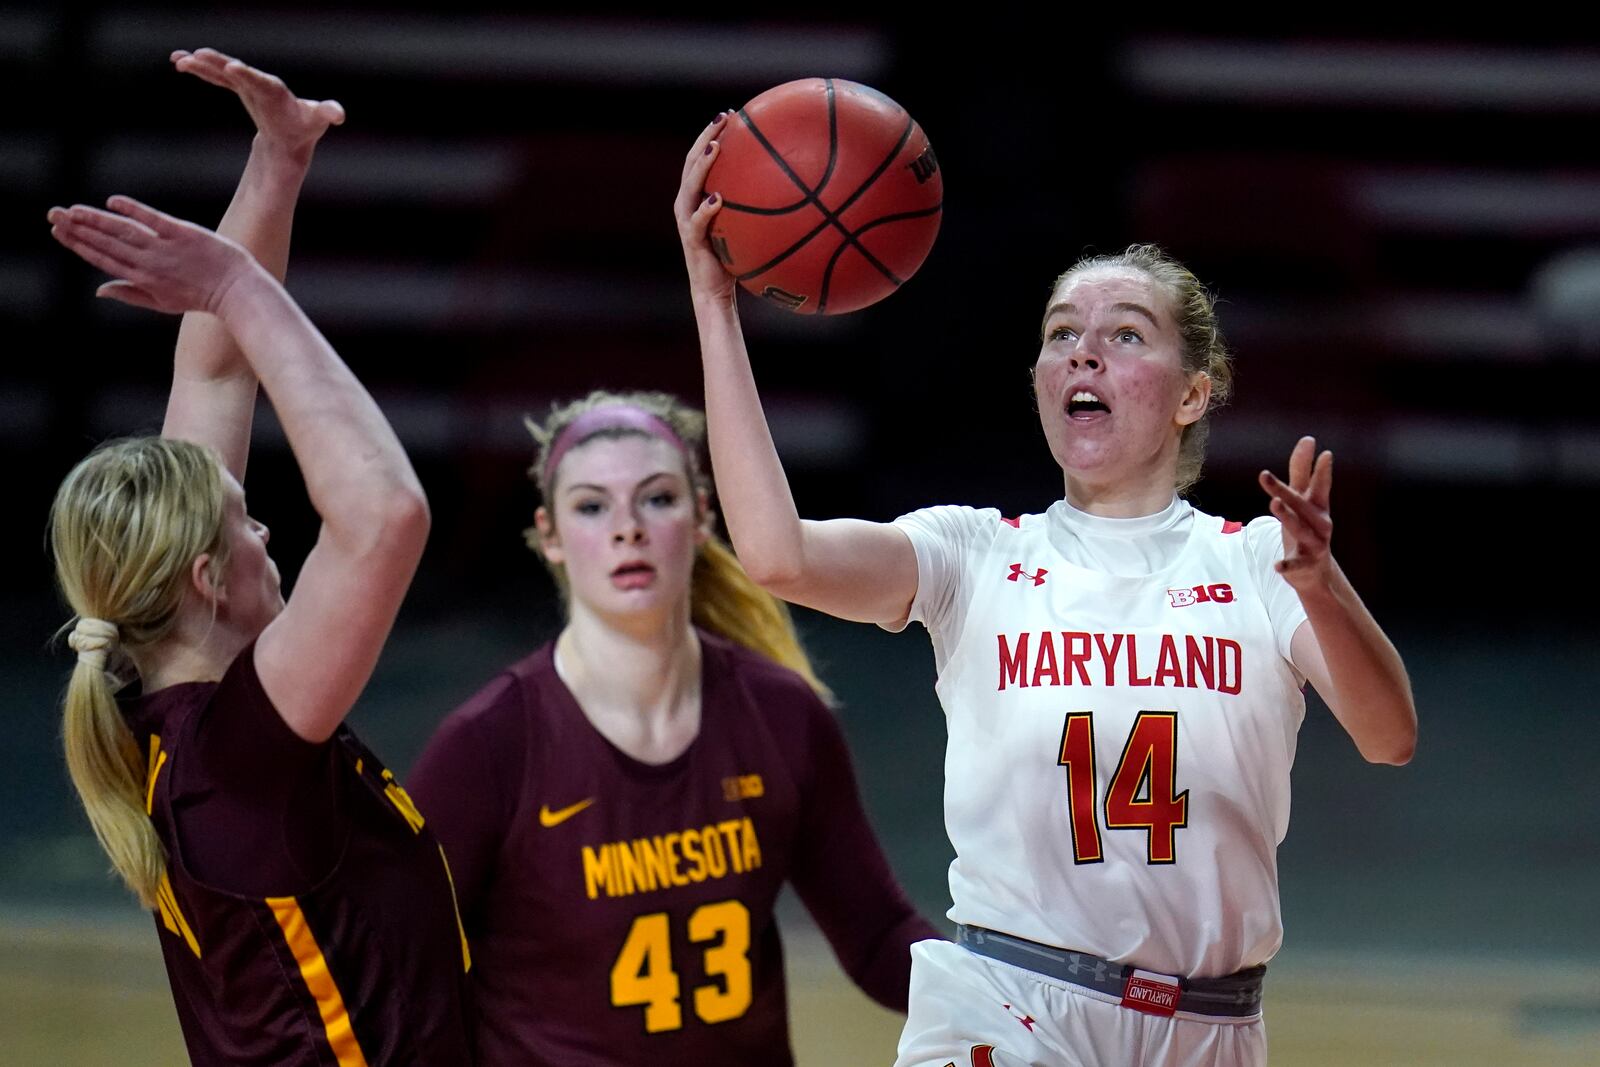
1143,793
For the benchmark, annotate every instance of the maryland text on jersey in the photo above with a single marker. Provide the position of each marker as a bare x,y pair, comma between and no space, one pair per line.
694,854
1072,657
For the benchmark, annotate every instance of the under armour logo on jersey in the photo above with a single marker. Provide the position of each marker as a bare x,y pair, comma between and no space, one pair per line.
1025,1019
1215,593
1078,963
1017,574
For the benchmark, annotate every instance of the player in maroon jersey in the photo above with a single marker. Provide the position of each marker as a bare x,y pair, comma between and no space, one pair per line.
622,807
305,913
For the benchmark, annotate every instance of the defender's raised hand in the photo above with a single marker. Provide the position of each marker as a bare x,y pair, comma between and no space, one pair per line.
288,121
157,261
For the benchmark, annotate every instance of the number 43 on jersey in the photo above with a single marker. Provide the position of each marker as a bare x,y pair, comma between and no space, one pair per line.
1143,791
643,973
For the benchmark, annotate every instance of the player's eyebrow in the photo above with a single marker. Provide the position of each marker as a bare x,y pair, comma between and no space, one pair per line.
1136,309
1067,307
643,482
593,488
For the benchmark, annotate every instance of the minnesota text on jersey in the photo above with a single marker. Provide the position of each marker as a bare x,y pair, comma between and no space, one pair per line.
694,854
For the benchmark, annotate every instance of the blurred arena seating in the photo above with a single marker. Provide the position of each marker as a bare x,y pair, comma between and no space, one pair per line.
1403,233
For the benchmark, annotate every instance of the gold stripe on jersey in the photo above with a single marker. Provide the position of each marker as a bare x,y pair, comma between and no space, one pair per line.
693,854
319,980
402,802
455,907
157,759
172,916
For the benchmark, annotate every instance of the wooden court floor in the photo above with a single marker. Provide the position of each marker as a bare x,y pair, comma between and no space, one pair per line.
91,993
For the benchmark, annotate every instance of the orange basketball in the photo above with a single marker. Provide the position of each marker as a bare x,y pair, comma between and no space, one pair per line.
831,196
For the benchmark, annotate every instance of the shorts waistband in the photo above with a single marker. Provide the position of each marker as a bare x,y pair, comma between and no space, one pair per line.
1231,996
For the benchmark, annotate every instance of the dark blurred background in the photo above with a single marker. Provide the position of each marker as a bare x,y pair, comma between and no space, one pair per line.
1402,223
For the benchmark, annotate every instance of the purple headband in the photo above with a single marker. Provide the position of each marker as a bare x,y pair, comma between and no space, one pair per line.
608,417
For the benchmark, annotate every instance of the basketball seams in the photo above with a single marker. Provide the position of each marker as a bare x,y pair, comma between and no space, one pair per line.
748,209
901,216
831,217
894,153
848,237
827,274
785,254
833,142
827,277
808,198
849,240
783,164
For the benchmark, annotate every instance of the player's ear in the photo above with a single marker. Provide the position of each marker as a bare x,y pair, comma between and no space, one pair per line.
549,542
1195,400
708,518
205,581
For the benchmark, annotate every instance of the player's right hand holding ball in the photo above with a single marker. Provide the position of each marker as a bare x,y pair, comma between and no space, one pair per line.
694,211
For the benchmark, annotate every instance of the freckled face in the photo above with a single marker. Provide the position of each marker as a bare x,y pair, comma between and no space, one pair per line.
1113,395
625,523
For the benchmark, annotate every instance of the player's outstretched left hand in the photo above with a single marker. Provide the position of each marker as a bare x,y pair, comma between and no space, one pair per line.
283,119
1302,507
159,262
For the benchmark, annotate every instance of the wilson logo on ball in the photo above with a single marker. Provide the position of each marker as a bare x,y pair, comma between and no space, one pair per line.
831,196
792,301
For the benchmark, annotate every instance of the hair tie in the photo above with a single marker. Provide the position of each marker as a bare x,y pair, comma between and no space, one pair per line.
93,640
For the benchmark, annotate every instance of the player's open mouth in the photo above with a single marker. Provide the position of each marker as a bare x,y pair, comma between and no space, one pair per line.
635,574
1085,405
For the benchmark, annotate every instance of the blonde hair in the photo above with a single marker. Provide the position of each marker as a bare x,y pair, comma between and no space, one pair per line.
125,528
722,597
1194,309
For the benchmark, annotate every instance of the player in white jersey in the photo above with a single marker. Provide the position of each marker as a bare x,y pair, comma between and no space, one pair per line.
1121,676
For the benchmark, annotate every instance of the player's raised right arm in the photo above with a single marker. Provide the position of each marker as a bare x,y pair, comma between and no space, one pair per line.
315,657
213,395
866,571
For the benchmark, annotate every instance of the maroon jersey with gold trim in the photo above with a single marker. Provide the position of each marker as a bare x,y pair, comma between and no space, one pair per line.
622,912
307,916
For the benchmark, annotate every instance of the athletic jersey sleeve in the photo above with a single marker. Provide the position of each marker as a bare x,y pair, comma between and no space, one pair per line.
255,806
943,538
1264,539
464,785
841,873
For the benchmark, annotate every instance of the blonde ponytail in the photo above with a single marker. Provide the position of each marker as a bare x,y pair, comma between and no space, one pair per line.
126,525
726,601
109,776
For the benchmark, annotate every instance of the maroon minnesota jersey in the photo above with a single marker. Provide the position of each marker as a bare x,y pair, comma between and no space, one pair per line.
622,912
307,916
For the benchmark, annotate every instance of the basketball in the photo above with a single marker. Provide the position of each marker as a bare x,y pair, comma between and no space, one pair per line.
831,196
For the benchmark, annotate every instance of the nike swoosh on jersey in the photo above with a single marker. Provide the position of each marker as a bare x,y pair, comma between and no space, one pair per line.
548,818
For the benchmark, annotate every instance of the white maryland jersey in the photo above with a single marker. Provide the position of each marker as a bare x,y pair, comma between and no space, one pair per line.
1117,777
